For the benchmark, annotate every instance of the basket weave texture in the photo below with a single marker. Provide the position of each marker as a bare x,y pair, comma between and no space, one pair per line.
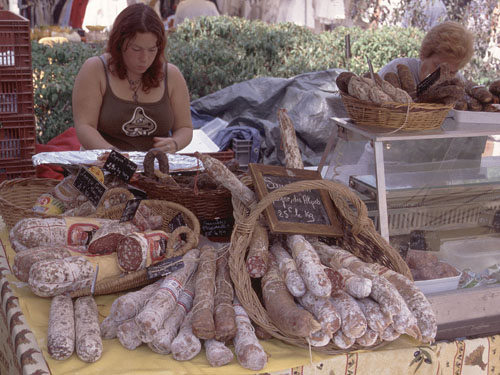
360,238
168,211
419,116
18,196
204,203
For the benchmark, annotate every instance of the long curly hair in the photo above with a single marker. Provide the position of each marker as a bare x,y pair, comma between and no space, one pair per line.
451,39
137,18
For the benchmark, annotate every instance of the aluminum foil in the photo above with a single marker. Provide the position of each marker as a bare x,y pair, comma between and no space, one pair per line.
69,159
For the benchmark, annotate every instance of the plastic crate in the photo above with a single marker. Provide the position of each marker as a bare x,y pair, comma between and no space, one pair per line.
16,92
16,169
242,149
15,43
17,138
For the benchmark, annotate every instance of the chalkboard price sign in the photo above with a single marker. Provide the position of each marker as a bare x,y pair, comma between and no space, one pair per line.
304,212
120,166
89,186
130,210
218,227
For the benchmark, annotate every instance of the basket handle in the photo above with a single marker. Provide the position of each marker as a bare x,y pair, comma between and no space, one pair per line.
340,195
191,241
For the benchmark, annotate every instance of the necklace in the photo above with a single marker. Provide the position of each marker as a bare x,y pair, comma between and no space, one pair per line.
134,86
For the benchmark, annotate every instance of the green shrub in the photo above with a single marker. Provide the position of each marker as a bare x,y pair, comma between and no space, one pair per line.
54,71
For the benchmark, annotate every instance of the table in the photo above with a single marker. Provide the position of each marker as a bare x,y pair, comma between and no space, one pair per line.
23,327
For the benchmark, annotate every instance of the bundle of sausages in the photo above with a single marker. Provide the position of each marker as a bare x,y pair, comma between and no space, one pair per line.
191,306
60,255
322,293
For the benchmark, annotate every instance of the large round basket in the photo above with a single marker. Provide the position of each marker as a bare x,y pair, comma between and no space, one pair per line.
18,196
170,212
412,116
359,237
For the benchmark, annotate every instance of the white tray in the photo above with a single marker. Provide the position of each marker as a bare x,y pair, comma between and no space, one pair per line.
438,285
476,117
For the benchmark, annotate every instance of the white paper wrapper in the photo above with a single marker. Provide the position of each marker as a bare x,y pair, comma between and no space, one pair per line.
177,162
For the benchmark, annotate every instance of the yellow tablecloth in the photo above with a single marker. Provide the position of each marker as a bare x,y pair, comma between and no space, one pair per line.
23,329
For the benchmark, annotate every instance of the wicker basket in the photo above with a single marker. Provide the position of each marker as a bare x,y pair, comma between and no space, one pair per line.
413,116
169,211
360,238
205,203
18,196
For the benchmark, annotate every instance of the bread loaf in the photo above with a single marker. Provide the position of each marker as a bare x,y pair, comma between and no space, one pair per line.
406,79
61,330
342,81
494,87
393,79
359,88
479,92
88,335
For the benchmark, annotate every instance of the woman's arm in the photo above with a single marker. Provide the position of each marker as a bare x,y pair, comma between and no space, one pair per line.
182,131
88,92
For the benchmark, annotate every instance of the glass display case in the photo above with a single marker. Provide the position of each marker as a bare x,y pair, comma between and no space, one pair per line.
435,196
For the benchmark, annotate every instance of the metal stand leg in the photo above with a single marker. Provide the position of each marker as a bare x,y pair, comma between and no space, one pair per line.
381,190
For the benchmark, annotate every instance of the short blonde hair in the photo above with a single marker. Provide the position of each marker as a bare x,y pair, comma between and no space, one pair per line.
450,39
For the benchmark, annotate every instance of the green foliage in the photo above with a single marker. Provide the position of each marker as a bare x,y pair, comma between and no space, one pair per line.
54,71
215,53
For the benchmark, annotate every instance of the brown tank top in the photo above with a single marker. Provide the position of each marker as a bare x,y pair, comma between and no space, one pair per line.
130,126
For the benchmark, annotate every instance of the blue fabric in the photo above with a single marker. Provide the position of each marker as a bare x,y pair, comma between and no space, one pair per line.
224,138
199,119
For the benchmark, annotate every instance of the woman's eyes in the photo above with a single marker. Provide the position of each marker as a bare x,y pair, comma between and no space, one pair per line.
138,49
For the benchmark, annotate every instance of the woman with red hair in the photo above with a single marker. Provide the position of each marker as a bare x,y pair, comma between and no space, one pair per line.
130,98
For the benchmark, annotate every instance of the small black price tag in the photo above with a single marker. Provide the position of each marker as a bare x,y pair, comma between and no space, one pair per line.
130,209
88,185
219,227
120,166
164,267
428,81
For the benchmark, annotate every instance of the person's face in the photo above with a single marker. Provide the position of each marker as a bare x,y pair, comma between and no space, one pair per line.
430,64
140,52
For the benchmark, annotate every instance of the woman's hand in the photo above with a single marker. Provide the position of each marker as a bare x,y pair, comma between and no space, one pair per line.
165,144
